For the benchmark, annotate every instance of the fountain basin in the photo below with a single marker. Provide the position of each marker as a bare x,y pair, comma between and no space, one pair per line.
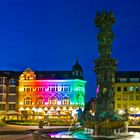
71,134
44,134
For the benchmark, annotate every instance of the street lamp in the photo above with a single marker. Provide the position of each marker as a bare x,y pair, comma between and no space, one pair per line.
134,110
121,112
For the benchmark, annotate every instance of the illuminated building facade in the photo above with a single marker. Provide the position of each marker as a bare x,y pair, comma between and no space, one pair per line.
49,97
127,92
37,94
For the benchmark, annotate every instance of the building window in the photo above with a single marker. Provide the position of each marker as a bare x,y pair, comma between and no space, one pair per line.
125,89
28,89
65,101
124,105
56,89
12,82
40,101
131,88
2,80
12,107
137,88
124,97
131,97
27,101
53,89
123,79
52,100
12,98
2,106
2,98
134,79
119,97
3,89
65,88
62,88
37,89
137,97
118,105
118,88
77,73
12,90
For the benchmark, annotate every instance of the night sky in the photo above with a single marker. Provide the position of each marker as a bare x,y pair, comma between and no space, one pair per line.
50,34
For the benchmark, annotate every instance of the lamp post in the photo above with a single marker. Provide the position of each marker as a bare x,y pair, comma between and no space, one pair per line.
134,110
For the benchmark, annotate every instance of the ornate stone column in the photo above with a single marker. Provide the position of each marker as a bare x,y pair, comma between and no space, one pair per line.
105,68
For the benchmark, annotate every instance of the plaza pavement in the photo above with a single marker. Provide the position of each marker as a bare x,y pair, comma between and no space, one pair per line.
26,128
17,128
16,137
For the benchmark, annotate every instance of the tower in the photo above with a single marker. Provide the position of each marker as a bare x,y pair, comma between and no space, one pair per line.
77,71
105,67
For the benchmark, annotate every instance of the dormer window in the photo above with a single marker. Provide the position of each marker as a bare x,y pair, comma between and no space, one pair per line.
77,73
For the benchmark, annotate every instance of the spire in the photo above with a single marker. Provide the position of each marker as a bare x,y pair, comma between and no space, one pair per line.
77,70
77,62
77,66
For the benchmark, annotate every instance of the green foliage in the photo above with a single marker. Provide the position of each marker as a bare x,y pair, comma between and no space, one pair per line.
2,123
59,123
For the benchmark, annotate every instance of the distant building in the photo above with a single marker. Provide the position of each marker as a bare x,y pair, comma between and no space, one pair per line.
126,89
9,93
34,95
127,92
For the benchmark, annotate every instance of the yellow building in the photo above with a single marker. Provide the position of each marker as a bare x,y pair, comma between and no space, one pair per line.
127,92
50,97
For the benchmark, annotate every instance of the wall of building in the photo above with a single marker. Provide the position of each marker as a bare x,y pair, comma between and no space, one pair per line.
127,93
22,94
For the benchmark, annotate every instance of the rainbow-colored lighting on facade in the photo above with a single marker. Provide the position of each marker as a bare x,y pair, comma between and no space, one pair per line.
49,96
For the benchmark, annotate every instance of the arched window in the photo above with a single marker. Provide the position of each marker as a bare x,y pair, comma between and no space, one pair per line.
52,100
131,88
27,100
40,101
65,100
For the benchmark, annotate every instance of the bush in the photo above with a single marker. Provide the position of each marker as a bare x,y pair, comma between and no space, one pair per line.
2,123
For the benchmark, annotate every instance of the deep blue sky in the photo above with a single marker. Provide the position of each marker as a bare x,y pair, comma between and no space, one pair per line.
49,34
